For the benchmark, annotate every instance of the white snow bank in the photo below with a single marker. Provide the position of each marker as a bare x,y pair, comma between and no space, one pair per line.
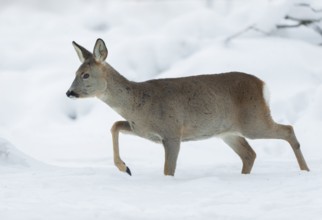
11,156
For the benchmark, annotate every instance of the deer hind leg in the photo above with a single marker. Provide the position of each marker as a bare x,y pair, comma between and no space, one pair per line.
289,136
116,128
171,148
244,151
284,132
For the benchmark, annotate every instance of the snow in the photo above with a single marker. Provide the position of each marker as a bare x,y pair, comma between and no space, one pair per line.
56,153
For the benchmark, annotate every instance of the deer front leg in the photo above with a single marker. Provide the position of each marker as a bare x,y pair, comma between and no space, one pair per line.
171,148
116,128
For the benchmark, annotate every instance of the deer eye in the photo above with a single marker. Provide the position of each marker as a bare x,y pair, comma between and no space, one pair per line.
85,76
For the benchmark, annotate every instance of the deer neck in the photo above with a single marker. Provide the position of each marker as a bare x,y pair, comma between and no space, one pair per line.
119,91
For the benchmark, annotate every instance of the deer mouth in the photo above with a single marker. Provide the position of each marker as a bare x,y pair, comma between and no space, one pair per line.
72,94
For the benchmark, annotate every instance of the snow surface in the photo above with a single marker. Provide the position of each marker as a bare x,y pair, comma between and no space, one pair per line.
56,153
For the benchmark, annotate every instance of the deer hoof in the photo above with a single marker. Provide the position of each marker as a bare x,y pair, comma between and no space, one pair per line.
128,171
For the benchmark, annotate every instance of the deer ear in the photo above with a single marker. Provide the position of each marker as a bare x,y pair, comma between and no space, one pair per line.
100,51
82,53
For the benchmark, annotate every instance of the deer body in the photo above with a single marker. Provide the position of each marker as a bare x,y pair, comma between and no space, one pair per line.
193,108
169,111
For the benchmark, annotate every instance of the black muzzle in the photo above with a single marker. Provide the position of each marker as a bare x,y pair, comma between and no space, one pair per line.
72,94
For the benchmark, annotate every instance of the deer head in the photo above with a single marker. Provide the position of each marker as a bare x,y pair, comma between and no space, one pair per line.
89,80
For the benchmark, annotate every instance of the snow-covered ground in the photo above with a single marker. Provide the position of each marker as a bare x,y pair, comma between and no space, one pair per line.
56,153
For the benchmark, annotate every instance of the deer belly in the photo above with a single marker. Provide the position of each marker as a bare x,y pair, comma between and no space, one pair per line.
204,130
197,133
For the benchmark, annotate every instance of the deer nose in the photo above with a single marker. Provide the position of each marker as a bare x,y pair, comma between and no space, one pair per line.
72,94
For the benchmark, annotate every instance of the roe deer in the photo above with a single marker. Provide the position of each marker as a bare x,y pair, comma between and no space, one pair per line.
231,106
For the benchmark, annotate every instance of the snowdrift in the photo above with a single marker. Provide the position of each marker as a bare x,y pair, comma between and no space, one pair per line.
11,156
